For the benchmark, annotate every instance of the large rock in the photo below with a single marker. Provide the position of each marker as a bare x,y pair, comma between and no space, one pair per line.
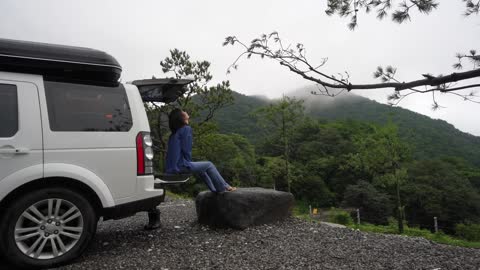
243,208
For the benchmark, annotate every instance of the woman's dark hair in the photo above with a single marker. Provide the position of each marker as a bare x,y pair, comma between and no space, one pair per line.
175,120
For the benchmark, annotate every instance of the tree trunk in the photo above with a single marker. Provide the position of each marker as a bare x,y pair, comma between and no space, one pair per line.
285,150
399,209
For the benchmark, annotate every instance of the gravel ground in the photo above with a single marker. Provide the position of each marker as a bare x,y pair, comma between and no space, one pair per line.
293,244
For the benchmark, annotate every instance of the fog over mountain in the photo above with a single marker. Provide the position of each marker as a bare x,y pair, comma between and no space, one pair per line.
429,137
315,104
315,101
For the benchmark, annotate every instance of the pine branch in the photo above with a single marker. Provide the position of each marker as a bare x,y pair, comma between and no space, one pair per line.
295,60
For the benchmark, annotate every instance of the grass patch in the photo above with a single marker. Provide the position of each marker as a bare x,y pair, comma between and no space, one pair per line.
340,216
439,237
301,211
176,195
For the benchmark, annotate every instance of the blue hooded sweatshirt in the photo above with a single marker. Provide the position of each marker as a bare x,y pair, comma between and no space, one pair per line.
179,153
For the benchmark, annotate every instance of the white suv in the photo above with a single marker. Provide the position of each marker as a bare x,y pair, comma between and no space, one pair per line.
74,147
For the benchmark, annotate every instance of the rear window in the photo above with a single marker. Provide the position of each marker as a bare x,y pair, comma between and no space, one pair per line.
78,107
8,110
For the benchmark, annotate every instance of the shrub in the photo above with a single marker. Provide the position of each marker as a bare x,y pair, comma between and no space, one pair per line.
313,190
340,216
470,232
301,208
375,206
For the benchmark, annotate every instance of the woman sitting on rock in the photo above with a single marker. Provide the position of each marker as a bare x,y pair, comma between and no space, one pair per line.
179,154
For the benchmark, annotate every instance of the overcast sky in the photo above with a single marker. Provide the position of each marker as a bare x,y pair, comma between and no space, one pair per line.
140,33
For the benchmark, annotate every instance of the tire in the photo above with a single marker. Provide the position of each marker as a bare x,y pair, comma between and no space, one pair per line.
29,241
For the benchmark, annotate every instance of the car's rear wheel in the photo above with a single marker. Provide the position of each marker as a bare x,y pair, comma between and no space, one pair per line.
47,227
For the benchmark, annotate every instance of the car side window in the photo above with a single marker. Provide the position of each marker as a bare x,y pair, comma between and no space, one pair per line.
79,107
8,110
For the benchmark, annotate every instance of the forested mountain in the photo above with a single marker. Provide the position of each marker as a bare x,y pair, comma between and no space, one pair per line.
237,118
428,137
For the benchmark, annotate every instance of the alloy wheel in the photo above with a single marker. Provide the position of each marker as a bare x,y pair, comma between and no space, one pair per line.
48,229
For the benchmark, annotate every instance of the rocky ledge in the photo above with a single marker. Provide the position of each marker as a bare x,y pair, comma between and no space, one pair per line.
291,244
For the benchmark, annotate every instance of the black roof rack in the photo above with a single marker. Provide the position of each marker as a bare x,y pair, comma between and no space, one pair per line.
59,62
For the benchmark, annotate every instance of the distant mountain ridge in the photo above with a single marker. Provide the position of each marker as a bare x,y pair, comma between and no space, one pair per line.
430,137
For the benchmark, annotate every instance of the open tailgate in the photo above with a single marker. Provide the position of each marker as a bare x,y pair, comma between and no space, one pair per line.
161,90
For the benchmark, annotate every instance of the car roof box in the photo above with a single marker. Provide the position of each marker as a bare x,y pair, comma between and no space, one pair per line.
59,62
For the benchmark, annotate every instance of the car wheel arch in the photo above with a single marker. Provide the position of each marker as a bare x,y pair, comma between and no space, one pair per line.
52,182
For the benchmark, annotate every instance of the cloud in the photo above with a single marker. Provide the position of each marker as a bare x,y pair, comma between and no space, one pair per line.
140,33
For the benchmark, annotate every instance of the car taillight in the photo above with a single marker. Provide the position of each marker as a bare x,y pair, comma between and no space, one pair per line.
144,154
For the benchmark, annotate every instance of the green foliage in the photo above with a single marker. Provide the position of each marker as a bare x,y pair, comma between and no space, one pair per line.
286,112
209,99
474,178
312,189
439,237
279,121
375,206
301,208
238,118
350,163
438,188
470,232
270,172
232,154
381,154
426,137
340,217
301,211
177,196
401,13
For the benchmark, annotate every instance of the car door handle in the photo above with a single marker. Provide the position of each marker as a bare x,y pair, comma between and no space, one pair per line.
18,151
